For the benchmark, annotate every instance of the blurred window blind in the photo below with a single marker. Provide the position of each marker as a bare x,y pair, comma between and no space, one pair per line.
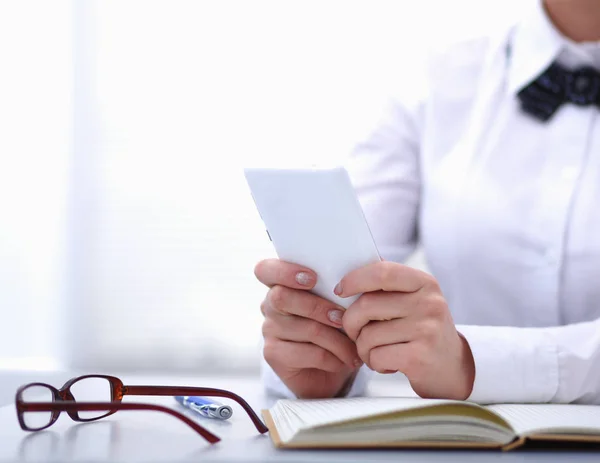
36,80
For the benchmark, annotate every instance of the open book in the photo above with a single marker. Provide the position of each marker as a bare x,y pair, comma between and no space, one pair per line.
414,422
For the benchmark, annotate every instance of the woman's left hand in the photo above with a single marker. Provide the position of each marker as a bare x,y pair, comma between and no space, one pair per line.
402,323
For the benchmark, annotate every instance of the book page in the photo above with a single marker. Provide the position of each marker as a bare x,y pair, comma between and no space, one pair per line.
312,413
550,418
291,416
389,418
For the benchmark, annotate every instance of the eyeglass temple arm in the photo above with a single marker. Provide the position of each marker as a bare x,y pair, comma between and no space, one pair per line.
105,406
202,391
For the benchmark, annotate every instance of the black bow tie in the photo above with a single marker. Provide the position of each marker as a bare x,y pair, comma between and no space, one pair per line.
557,85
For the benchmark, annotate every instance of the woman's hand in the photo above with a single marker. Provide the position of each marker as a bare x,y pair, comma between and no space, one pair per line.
302,338
402,323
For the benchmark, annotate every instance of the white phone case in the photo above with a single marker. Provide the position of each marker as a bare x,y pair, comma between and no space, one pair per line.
314,219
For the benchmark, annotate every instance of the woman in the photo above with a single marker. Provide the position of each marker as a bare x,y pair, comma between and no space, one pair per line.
494,167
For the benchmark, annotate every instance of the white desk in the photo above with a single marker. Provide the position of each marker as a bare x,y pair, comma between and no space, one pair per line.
141,436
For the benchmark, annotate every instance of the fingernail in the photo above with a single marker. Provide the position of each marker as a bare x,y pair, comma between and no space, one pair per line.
304,278
358,363
338,289
335,316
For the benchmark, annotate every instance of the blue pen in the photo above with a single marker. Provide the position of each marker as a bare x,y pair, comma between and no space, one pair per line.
205,407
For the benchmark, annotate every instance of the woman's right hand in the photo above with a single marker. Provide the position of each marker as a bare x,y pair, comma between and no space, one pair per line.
303,342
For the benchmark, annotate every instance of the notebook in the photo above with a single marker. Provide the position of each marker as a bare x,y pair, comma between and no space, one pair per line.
426,423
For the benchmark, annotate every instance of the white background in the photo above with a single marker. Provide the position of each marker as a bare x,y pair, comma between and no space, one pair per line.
127,234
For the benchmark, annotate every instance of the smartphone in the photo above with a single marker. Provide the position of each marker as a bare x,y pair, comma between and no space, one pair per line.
314,219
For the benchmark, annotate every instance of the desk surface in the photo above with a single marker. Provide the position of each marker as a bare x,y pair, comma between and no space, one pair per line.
141,436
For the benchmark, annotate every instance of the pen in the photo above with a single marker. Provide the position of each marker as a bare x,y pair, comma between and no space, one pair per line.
205,407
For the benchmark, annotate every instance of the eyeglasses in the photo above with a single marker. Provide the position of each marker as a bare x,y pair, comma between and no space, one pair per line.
39,405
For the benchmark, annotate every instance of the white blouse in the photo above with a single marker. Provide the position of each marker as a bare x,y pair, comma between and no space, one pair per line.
506,208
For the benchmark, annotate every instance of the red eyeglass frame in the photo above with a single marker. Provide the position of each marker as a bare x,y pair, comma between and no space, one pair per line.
64,401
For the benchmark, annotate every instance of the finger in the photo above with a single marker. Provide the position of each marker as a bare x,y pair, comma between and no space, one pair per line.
297,355
377,334
382,276
287,301
390,358
377,306
272,272
298,329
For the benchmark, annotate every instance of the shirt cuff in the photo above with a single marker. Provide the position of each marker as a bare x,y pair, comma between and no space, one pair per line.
360,382
273,385
512,365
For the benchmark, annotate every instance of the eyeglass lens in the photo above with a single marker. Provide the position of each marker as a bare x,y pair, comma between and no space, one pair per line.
33,394
91,390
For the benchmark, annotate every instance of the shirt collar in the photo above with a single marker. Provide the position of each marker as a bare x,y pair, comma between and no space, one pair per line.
534,44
